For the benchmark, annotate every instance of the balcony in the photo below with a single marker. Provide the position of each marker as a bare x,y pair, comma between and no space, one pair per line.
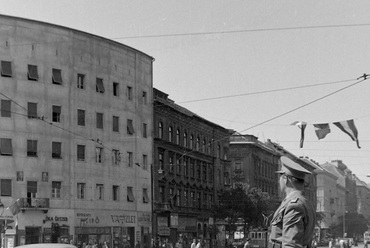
34,204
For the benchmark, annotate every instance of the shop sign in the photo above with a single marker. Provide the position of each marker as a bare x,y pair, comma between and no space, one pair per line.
56,218
122,219
163,231
144,218
114,219
162,221
174,220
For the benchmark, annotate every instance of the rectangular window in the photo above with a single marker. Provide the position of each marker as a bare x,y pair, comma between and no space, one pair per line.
5,187
20,176
6,68
130,194
6,110
57,76
81,190
145,130
99,120
32,148
130,127
32,73
99,192
80,153
56,188
32,110
116,157
145,161
115,193
145,97
45,176
129,93
115,89
145,196
178,197
80,81
98,154
129,159
56,113
99,85
115,124
80,117
56,149
6,148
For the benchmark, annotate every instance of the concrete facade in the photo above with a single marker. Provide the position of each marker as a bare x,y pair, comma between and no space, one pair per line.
77,115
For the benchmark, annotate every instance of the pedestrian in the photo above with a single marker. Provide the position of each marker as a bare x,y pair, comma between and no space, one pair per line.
199,244
194,244
293,222
330,243
246,244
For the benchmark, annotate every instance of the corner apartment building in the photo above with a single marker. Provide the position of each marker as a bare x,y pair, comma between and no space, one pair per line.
190,169
75,136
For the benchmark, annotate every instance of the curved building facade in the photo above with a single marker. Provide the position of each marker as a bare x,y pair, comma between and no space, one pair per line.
75,136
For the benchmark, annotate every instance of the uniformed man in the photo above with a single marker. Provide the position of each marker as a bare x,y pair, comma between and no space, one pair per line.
293,222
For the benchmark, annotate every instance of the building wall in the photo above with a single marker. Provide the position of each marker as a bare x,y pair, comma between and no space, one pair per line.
185,168
72,52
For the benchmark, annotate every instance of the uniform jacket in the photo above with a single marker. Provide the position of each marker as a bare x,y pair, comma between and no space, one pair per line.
293,222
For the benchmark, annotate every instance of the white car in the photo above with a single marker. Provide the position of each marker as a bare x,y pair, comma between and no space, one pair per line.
47,245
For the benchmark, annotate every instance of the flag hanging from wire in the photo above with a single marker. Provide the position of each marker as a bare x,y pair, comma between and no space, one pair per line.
321,130
302,125
15,207
349,128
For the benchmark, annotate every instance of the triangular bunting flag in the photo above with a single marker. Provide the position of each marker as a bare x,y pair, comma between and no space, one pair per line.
15,207
321,130
302,125
349,128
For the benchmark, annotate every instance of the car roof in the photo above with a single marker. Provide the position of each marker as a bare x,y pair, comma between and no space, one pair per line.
46,245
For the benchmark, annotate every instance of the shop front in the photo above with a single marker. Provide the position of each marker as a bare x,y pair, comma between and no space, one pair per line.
114,227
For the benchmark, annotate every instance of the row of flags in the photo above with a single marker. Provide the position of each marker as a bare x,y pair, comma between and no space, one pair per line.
323,129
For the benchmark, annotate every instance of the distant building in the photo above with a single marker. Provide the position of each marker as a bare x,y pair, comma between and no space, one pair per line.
363,197
190,169
76,134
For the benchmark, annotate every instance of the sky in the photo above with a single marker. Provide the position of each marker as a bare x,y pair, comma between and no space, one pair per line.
251,66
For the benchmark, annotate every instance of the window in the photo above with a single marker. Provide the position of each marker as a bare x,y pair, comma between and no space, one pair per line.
80,81
129,159
56,149
185,140
6,148
57,76
56,113
115,124
32,110
32,73
6,110
129,93
98,154
191,141
170,134
99,85
20,176
178,198
115,89
145,161
81,190
161,194
99,120
130,195
99,192
160,130
6,68
145,196
185,203
5,187
32,148
45,176
56,189
116,157
80,117
130,127
115,192
185,161
177,137
160,160
145,130
145,96
80,153
170,160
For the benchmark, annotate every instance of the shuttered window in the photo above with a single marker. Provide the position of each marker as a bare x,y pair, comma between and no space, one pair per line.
32,148
6,148
6,69
6,187
6,108
99,85
130,194
32,110
130,127
145,196
57,76
32,73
